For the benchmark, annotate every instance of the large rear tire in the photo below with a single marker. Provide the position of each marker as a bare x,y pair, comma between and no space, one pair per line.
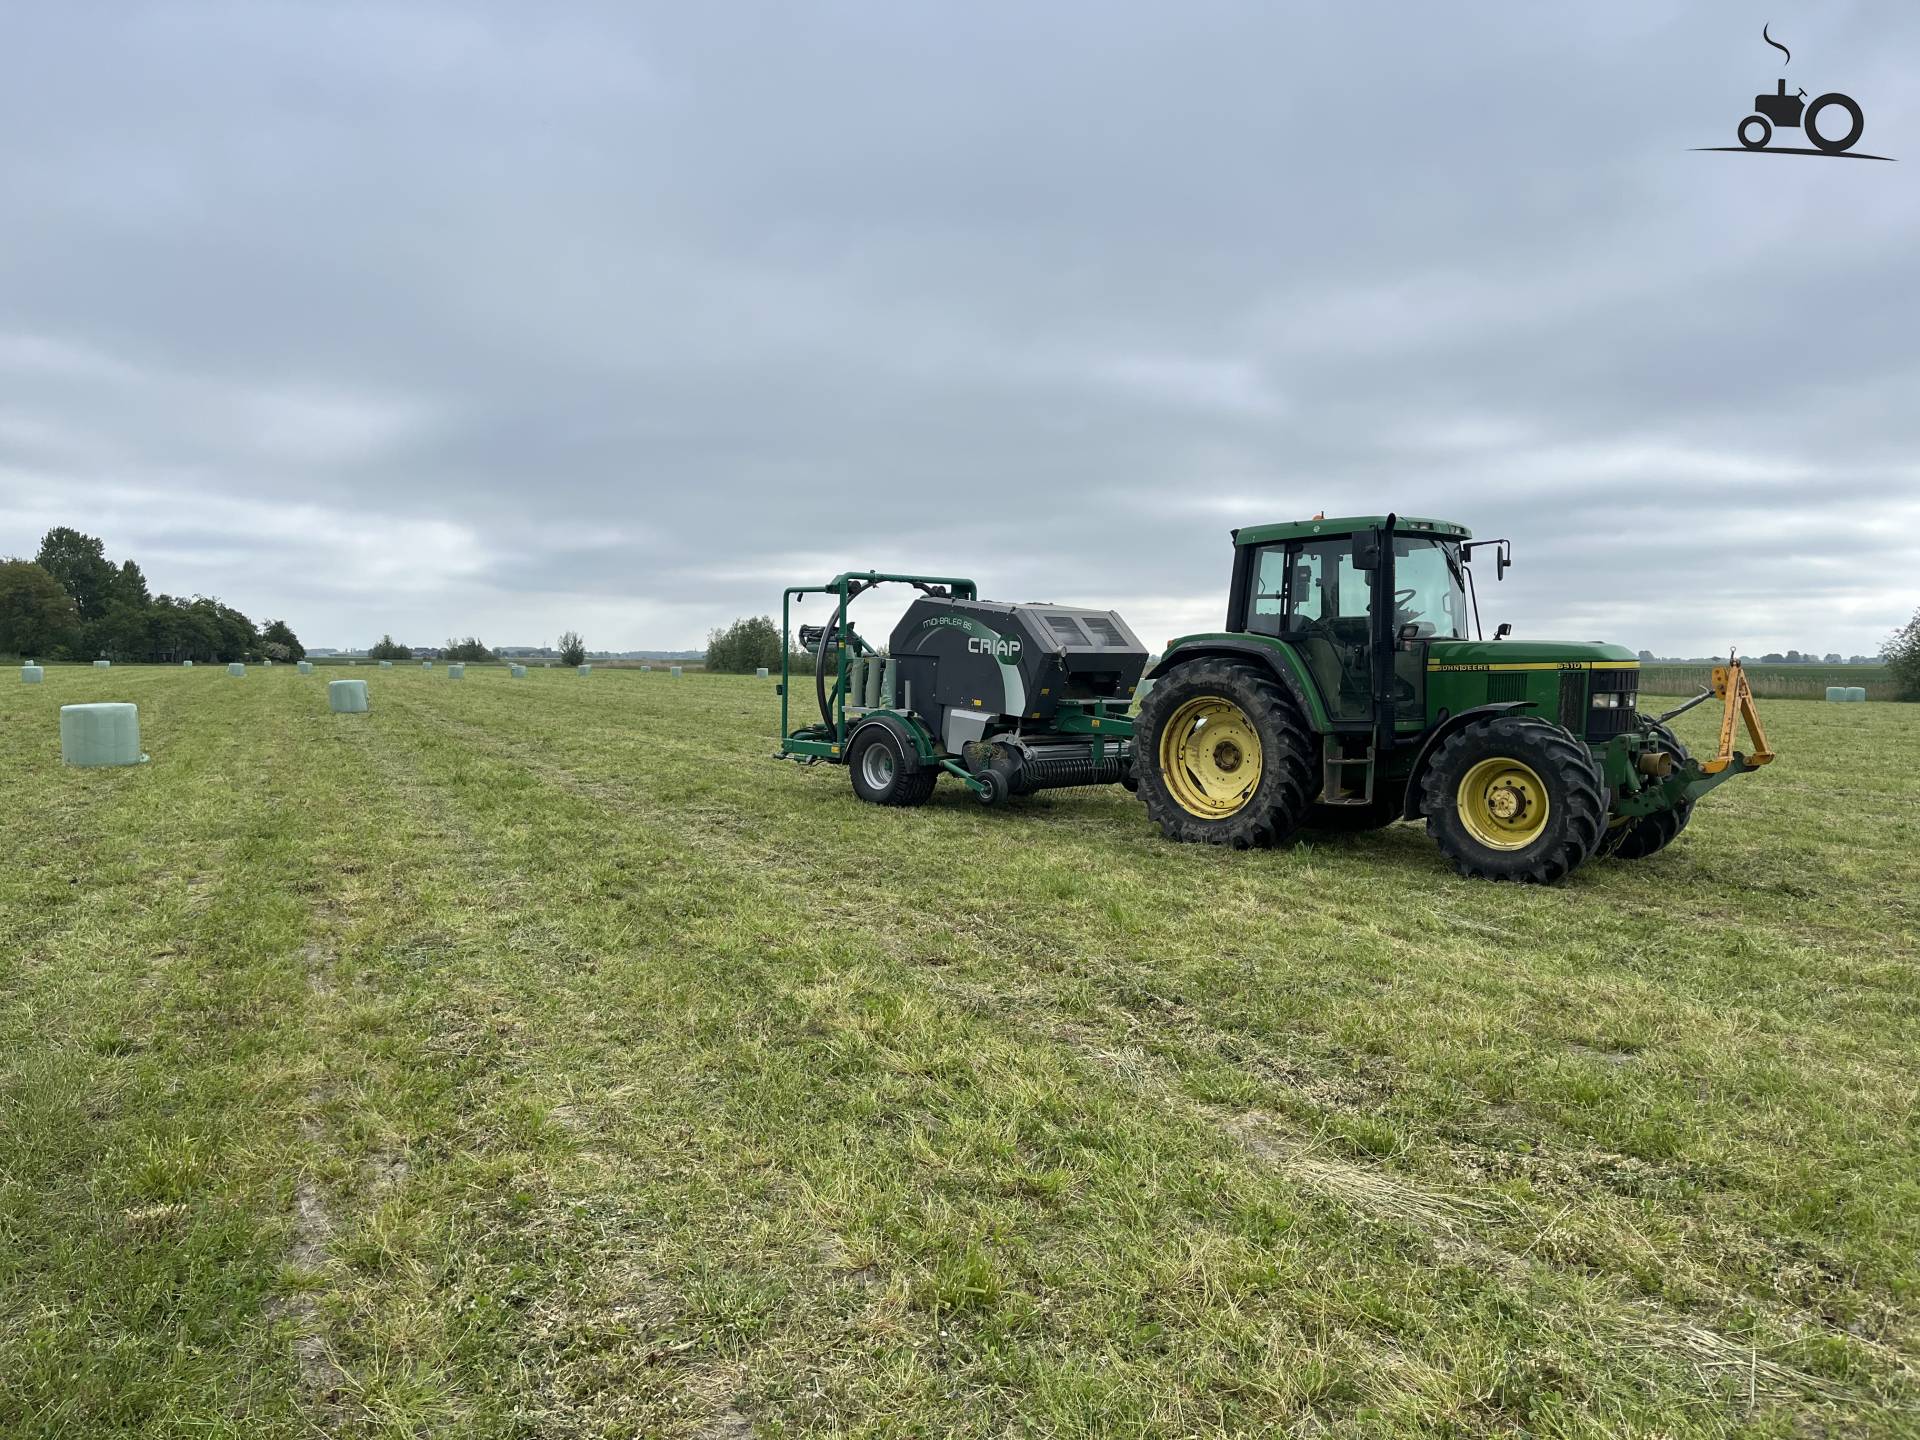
1514,798
1223,756
1649,834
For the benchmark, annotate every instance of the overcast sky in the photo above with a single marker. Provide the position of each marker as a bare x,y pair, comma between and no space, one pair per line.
451,318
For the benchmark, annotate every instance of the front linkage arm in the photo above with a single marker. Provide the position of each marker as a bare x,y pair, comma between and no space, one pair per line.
1639,793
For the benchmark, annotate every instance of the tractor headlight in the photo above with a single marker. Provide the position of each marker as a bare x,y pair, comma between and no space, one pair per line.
1608,701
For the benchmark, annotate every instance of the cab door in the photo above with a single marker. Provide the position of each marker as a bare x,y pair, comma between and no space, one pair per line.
1311,595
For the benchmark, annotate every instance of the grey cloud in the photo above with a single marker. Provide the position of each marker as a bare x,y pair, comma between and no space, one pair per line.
454,317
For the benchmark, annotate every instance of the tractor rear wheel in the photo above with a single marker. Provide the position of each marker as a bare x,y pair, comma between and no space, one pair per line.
881,773
1223,756
1639,838
1514,798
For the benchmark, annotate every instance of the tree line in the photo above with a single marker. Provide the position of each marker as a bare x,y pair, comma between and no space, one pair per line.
70,602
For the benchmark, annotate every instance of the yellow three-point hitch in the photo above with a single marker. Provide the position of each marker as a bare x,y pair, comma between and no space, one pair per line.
1730,687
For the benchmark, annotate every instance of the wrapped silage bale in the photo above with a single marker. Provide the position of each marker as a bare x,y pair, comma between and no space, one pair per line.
186,664
674,673
456,672
517,672
234,667
386,664
32,674
585,669
305,667
108,734
760,673
347,697
103,664
1857,692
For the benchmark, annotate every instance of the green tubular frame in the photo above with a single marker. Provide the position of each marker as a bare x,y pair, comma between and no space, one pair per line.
825,742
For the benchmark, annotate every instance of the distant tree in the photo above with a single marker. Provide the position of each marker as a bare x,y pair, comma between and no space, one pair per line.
1833,658
468,649
80,564
125,632
1773,657
1646,657
129,587
1902,654
744,646
277,635
573,650
38,619
388,648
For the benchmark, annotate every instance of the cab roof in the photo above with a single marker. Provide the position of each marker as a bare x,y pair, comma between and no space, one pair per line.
1345,525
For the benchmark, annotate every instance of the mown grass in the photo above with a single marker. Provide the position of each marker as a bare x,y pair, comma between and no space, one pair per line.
537,1058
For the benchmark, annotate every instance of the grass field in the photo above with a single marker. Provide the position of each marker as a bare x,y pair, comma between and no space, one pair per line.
536,1058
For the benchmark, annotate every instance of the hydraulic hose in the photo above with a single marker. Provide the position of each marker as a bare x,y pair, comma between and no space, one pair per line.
820,674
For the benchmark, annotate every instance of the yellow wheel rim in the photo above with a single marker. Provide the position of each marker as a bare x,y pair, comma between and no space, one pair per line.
1210,757
1503,804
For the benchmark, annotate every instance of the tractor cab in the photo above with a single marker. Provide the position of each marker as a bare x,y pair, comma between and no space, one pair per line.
1360,600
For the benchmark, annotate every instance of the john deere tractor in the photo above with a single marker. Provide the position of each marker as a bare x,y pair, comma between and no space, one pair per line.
1345,694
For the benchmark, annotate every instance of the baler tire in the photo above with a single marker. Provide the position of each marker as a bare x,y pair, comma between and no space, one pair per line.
1650,834
1575,794
1289,756
902,786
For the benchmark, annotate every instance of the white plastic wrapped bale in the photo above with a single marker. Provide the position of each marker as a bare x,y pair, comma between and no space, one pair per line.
456,672
107,734
103,664
1857,692
386,664
760,673
234,667
347,697
1843,694
674,673
32,674
517,672
186,664
586,669
305,667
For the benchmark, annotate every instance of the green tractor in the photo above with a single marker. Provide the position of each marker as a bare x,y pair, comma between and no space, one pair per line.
1345,694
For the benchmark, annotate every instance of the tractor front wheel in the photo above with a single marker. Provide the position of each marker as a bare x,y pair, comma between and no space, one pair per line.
1223,756
1514,798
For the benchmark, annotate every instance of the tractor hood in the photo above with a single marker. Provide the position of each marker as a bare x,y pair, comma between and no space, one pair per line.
1544,654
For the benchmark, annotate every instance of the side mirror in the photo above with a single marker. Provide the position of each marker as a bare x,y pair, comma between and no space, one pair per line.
1502,630
1502,558
1366,550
